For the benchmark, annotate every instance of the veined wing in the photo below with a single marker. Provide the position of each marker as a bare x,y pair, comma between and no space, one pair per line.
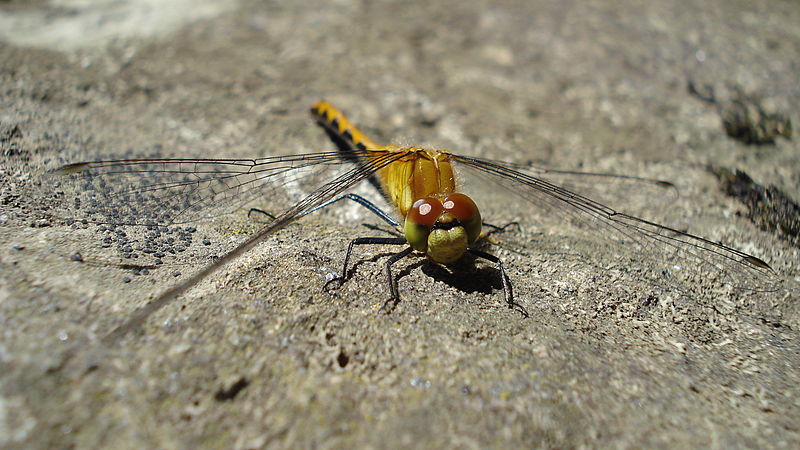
659,249
163,192
274,172
599,186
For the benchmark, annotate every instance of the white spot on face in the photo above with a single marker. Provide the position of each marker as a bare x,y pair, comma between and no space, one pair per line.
425,209
448,204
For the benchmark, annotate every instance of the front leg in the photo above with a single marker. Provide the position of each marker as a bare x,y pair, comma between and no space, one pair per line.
508,291
361,241
395,295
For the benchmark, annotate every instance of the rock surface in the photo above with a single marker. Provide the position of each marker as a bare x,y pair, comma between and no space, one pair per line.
259,355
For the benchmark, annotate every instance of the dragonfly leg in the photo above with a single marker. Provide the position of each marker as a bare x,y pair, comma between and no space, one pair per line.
260,211
365,203
395,295
354,197
501,229
362,241
508,292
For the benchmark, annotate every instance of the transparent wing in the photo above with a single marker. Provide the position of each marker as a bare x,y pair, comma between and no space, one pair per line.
183,188
668,255
604,187
163,192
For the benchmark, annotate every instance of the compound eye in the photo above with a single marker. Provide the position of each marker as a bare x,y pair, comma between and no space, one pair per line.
425,211
461,207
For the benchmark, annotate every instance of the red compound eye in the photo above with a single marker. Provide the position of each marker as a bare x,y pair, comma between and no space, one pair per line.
461,207
425,211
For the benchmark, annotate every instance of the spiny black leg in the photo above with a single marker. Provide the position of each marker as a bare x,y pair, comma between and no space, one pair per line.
366,204
392,283
260,211
361,241
354,197
507,288
497,228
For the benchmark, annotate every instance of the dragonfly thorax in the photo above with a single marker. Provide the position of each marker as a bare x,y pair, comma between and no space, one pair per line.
443,226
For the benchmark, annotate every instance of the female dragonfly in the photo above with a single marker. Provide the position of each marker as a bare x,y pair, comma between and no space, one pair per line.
438,220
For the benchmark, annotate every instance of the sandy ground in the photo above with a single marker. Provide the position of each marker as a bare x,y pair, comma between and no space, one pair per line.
259,355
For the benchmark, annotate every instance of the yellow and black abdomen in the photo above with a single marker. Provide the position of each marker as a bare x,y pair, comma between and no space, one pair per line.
346,136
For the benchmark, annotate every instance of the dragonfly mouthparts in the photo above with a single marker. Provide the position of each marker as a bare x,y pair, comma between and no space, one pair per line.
447,225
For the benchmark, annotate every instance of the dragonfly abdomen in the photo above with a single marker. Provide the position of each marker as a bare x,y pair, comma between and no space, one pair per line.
340,129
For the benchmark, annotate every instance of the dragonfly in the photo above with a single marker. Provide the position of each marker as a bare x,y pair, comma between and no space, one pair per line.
424,186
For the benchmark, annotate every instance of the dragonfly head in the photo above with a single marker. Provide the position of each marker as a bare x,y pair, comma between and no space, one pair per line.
443,226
